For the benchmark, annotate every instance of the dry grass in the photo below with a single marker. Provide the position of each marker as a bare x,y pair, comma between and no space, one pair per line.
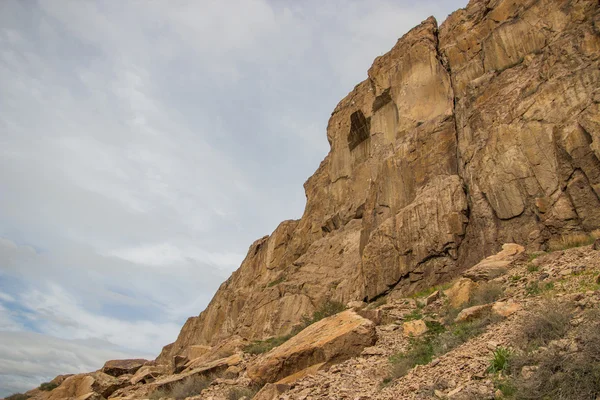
191,386
573,240
549,321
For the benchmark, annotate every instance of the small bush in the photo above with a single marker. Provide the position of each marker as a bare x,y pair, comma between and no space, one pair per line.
263,346
239,392
17,396
48,386
500,361
547,322
191,386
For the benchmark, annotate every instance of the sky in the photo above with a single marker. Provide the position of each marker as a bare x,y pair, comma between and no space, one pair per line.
144,145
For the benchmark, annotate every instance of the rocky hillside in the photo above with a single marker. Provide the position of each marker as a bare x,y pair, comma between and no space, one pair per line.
479,132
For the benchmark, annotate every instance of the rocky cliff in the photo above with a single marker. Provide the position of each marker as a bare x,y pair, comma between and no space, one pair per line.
482,131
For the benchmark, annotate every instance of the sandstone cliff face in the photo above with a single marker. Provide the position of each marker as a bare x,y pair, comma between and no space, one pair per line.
481,132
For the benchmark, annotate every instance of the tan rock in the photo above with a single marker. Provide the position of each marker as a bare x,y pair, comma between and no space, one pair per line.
196,370
506,308
357,305
290,379
496,265
433,297
330,340
460,292
472,313
271,391
121,367
414,328
146,374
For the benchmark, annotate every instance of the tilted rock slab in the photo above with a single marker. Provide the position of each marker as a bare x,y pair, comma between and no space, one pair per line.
483,131
328,341
121,367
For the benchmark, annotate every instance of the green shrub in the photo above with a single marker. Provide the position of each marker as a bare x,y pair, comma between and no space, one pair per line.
48,386
532,268
276,281
500,361
413,316
326,309
263,346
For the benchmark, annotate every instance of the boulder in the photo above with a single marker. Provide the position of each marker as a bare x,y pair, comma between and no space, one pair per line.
414,328
460,293
146,374
198,369
472,313
271,391
121,367
328,341
433,297
505,308
496,265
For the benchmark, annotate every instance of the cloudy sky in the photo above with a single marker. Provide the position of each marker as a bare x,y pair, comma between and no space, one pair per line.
145,144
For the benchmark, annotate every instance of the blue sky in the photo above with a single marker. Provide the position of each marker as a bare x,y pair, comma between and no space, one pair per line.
145,145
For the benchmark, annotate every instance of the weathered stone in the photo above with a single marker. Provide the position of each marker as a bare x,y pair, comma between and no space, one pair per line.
505,308
146,374
330,340
121,367
495,265
433,297
414,328
472,313
460,293
271,391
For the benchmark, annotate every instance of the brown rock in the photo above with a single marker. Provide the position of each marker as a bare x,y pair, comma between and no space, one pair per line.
472,313
505,308
146,374
433,297
271,391
414,328
596,245
121,367
197,370
496,265
460,293
330,340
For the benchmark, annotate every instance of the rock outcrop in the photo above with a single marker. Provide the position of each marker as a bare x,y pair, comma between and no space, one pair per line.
326,342
483,131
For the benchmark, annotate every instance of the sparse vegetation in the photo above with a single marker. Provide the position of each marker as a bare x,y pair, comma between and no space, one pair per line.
327,309
532,268
486,293
547,322
276,281
500,361
534,288
558,374
413,315
48,386
379,302
237,393
17,396
192,386
573,240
